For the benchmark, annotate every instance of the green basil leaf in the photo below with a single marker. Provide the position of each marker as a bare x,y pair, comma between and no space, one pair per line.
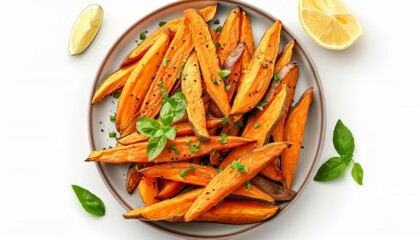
178,104
155,145
90,202
331,169
170,133
343,139
166,114
147,126
357,173
164,94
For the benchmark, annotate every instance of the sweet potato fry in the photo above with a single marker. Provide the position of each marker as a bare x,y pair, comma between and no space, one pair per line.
182,129
231,178
135,55
234,65
170,189
273,172
258,74
169,72
112,83
138,152
285,56
190,173
246,34
166,210
199,175
137,85
235,211
191,87
208,60
293,133
229,35
288,75
148,190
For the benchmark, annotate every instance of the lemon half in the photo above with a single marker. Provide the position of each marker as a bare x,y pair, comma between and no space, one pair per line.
85,29
330,23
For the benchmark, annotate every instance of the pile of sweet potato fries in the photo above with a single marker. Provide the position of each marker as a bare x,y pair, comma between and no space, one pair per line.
237,147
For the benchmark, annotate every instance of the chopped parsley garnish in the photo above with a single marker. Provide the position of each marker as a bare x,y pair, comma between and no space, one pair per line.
224,138
217,45
165,61
238,166
217,81
248,185
112,118
192,169
223,73
112,134
230,132
238,125
174,148
183,173
188,141
227,88
220,170
143,35
217,21
162,23
256,125
276,78
224,121
116,95
218,29
194,148
261,105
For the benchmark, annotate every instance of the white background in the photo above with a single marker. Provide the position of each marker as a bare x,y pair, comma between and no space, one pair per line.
372,87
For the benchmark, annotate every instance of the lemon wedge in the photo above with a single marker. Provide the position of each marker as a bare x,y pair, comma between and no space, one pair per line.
85,29
330,23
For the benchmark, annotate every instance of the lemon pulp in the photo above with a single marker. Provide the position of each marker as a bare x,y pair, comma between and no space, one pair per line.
330,23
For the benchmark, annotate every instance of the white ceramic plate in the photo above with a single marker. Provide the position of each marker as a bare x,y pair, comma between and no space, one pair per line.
114,176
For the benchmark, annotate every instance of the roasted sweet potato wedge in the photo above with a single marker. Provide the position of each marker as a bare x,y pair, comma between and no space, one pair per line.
138,84
246,35
112,83
235,211
199,175
148,190
259,72
293,133
182,129
138,152
137,53
285,56
229,35
233,177
166,210
208,60
190,173
169,72
191,87
288,76
170,189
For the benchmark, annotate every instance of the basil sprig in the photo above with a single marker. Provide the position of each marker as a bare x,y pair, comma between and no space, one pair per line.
335,167
90,202
173,109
